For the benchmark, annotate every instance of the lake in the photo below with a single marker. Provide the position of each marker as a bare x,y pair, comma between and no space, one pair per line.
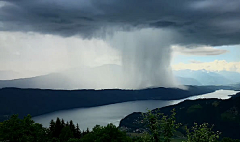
113,113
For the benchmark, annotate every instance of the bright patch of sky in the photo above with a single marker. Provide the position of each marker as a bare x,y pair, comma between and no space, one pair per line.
228,59
231,56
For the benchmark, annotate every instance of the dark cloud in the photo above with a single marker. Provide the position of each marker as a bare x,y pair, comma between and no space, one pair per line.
199,51
209,22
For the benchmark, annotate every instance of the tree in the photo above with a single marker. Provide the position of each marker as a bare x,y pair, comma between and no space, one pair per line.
87,131
159,127
229,140
72,126
1,133
62,122
58,128
202,133
52,128
109,133
10,129
74,140
19,130
66,134
77,133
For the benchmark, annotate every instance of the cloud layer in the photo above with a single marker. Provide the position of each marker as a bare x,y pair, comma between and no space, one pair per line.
200,51
23,52
57,34
207,22
217,65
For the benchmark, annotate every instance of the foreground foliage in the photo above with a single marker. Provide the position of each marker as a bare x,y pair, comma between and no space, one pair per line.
202,133
22,130
224,114
109,133
160,128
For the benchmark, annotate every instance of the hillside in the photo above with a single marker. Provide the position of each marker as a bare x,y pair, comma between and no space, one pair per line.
224,114
108,76
38,101
54,80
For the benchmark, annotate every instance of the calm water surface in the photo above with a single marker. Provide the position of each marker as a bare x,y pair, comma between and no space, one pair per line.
102,115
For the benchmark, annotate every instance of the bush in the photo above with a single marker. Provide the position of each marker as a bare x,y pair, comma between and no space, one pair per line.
202,133
109,133
229,140
22,130
160,127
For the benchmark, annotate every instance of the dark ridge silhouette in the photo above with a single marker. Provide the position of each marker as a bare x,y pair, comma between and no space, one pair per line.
38,101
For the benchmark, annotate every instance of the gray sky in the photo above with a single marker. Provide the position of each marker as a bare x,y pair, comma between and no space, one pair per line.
211,22
42,36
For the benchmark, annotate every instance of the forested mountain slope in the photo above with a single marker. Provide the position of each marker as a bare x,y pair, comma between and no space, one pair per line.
224,114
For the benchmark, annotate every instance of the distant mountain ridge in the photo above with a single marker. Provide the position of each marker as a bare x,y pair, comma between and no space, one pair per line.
111,76
209,78
53,80
103,77
11,75
188,81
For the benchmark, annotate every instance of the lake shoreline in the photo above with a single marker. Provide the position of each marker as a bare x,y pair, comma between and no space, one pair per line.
40,101
112,113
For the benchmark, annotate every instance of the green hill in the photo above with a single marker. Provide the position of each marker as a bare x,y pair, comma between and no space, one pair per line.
224,114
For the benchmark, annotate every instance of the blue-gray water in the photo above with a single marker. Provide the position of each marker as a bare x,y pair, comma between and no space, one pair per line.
102,115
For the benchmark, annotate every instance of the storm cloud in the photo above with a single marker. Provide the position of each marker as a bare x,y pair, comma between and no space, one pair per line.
142,32
206,22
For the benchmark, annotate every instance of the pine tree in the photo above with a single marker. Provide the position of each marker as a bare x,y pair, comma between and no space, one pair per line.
78,132
72,126
83,133
52,128
87,131
63,123
58,127
66,134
